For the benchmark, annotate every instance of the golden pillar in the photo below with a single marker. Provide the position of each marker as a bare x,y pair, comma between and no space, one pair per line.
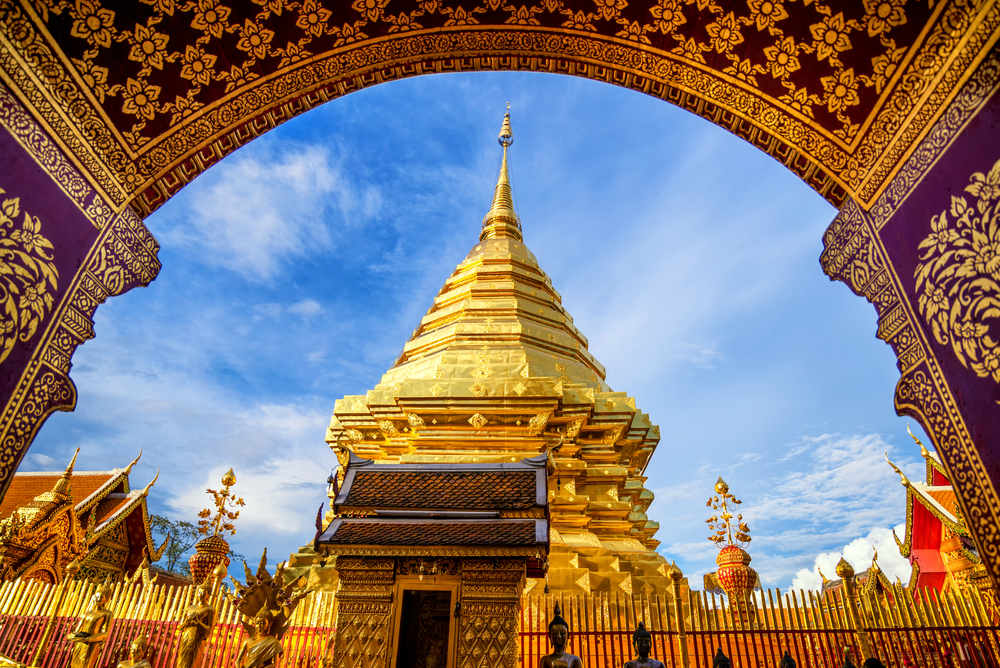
364,612
489,606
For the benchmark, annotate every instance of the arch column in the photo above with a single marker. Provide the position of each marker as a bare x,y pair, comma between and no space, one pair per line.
921,255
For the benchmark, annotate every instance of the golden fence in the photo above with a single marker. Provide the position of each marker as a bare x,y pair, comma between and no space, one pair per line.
27,607
903,628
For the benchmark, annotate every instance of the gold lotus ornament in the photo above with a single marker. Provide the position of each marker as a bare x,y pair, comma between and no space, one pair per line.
731,533
214,550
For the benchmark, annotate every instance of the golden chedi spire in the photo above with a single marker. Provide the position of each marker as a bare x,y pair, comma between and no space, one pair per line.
495,372
502,220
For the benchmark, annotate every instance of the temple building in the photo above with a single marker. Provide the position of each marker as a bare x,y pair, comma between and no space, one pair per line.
51,518
433,559
937,540
496,372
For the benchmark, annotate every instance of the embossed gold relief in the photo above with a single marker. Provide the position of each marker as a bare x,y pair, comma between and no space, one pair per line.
853,253
958,278
820,88
28,275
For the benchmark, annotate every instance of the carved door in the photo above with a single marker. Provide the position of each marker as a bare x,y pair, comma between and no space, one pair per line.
424,629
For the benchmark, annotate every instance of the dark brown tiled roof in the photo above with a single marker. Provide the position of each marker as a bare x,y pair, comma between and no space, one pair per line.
466,490
374,532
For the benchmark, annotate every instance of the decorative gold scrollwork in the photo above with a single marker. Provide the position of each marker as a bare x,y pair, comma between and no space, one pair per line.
28,275
958,277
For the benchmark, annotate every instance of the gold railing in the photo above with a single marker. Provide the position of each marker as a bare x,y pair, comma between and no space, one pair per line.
156,611
902,628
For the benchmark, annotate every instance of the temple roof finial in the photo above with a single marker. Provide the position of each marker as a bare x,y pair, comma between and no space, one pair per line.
63,484
501,220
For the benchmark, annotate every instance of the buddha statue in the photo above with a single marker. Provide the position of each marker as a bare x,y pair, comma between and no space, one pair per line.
87,639
559,635
199,618
642,641
263,649
136,654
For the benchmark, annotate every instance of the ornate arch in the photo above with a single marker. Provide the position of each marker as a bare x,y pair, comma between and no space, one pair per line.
109,107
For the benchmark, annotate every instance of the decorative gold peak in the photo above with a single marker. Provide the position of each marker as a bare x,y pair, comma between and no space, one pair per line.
128,469
63,484
501,220
902,476
924,452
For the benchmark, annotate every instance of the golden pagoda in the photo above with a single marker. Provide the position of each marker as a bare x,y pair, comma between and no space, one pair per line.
496,372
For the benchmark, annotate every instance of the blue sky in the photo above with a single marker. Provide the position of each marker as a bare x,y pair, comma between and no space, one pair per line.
294,271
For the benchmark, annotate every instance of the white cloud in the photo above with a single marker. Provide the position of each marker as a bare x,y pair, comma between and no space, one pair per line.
306,308
830,489
859,553
282,497
260,208
271,311
45,462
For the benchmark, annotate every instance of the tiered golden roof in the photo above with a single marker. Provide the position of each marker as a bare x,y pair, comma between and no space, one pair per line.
496,371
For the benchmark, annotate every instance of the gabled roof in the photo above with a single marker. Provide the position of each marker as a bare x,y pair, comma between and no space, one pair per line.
102,499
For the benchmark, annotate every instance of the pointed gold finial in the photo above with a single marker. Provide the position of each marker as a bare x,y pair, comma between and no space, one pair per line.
924,452
820,571
145,491
63,484
501,220
902,476
128,469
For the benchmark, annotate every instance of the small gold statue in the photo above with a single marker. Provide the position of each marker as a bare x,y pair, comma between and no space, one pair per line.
559,635
642,641
199,618
262,649
88,638
137,654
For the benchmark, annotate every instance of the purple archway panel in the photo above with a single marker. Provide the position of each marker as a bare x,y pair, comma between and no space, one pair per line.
927,255
63,251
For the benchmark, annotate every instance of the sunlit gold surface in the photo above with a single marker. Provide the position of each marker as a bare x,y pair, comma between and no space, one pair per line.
496,371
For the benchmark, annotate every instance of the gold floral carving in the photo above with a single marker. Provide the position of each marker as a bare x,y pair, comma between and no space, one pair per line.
28,275
853,254
123,256
620,62
958,278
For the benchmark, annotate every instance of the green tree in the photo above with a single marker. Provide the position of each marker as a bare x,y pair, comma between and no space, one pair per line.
183,536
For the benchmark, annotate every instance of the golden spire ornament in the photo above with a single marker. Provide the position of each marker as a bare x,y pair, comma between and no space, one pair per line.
501,220
213,550
732,534
222,523
724,530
